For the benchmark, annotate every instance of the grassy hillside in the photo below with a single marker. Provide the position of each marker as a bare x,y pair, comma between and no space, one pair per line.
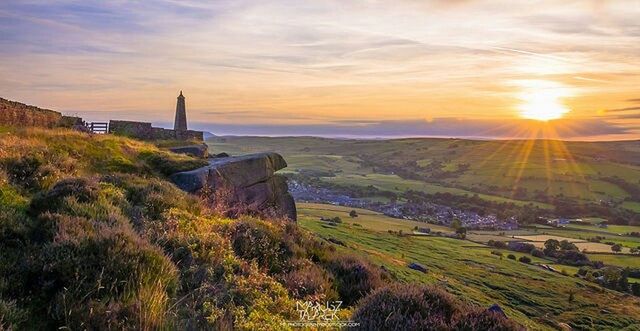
93,236
537,298
519,171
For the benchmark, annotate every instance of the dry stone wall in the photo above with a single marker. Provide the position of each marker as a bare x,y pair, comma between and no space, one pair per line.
18,114
144,131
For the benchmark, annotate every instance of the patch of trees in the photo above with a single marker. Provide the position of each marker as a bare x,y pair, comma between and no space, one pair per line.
570,208
565,252
525,259
614,278
497,244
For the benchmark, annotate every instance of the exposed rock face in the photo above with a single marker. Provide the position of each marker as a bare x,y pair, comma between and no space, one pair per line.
251,178
201,151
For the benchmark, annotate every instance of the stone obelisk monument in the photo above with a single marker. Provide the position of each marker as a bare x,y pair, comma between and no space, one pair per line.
181,115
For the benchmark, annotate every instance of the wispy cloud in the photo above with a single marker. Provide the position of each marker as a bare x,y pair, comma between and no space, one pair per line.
282,62
617,110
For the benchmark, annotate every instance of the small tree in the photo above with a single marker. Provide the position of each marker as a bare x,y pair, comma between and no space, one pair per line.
571,296
525,259
565,245
353,214
635,289
616,248
511,257
551,247
537,253
456,224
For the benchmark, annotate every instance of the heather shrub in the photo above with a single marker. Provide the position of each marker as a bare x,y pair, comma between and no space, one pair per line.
148,198
29,172
259,301
11,316
195,246
12,212
310,282
480,319
81,189
263,243
109,279
354,277
422,307
407,307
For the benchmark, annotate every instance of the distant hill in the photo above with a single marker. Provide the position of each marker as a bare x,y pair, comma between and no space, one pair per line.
208,135
605,175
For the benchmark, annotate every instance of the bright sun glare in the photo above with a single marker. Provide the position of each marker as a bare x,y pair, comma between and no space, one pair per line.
541,100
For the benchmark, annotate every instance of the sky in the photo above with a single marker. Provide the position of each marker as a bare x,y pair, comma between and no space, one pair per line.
486,69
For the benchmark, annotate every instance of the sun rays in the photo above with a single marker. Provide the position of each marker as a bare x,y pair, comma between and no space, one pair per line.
541,150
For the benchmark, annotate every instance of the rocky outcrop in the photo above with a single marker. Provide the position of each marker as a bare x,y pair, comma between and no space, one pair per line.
251,180
201,150
418,267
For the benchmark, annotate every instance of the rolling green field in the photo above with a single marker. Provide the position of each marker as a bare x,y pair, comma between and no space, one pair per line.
367,219
519,171
537,298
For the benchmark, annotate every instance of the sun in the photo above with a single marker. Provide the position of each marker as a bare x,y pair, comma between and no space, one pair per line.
541,100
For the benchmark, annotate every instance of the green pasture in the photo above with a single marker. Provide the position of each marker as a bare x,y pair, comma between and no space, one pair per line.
617,259
537,298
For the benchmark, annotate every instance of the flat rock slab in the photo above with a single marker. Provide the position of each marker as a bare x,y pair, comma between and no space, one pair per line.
251,178
418,267
201,150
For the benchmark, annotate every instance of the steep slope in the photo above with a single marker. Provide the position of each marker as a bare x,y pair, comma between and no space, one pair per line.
94,236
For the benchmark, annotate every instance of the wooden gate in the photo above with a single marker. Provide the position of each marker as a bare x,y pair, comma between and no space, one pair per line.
98,127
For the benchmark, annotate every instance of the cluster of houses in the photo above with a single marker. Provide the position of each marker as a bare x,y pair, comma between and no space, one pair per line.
423,211
435,213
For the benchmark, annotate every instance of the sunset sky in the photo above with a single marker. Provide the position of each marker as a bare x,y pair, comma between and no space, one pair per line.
342,68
